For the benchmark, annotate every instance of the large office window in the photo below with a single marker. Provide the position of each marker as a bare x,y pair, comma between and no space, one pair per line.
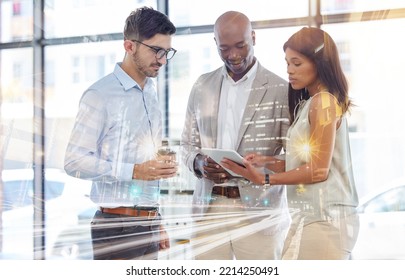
82,42
373,54
187,13
82,47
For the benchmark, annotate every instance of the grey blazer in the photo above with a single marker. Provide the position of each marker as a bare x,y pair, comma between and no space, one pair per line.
264,126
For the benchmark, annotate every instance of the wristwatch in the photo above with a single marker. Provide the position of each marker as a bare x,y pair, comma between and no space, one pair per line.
266,181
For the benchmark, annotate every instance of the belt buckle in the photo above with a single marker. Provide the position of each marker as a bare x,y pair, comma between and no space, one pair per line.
151,214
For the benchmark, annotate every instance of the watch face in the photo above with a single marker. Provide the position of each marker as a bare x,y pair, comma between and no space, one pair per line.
267,180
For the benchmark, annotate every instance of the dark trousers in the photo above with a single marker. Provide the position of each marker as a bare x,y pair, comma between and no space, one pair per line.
119,237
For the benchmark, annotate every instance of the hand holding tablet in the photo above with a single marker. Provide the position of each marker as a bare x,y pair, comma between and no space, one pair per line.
219,154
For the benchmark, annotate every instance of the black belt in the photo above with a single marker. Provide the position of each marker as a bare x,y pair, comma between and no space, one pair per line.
229,192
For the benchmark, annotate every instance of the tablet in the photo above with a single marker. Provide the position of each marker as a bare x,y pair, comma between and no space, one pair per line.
218,154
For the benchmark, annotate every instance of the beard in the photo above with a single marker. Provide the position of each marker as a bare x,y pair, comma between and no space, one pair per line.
151,70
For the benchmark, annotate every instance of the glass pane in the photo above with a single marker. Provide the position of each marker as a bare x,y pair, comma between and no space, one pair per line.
185,13
373,57
16,20
16,107
16,152
68,76
17,215
269,48
196,55
373,81
67,208
350,6
88,17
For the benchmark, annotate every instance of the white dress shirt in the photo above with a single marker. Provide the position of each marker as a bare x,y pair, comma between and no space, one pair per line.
233,100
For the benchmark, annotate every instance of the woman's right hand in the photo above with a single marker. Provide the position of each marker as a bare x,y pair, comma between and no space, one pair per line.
256,160
270,162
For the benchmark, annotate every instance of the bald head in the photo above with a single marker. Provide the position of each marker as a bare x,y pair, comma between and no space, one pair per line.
235,39
231,22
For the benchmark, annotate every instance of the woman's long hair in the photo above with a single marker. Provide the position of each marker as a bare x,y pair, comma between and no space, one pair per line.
320,48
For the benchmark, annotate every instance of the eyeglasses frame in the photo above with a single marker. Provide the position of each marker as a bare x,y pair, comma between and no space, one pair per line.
157,50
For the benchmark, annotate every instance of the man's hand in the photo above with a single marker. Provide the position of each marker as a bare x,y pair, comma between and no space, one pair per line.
164,242
215,172
160,168
210,169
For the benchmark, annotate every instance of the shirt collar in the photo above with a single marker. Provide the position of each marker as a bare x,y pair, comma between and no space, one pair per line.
126,81
248,75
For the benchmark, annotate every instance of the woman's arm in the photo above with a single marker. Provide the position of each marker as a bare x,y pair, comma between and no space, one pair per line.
324,116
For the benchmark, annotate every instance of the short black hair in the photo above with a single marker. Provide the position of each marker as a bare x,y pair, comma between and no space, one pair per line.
145,22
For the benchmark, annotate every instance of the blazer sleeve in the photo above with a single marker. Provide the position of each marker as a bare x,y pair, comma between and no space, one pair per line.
190,143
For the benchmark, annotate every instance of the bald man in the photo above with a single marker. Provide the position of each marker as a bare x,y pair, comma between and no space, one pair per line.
243,107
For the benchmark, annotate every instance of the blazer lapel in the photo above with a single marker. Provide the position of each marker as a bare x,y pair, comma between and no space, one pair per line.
255,98
214,105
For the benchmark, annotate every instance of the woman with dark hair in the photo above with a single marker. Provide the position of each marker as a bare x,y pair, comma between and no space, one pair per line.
317,168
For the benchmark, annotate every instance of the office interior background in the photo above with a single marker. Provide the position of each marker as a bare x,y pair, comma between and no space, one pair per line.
52,50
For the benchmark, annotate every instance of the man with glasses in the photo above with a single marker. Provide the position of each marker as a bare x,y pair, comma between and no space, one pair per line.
240,106
115,139
160,52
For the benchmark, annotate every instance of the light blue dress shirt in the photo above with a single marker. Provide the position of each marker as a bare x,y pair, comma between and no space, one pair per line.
118,125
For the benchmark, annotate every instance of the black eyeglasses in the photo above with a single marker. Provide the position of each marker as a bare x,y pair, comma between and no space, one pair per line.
160,52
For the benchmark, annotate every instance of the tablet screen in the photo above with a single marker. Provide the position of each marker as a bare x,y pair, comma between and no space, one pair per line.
218,154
